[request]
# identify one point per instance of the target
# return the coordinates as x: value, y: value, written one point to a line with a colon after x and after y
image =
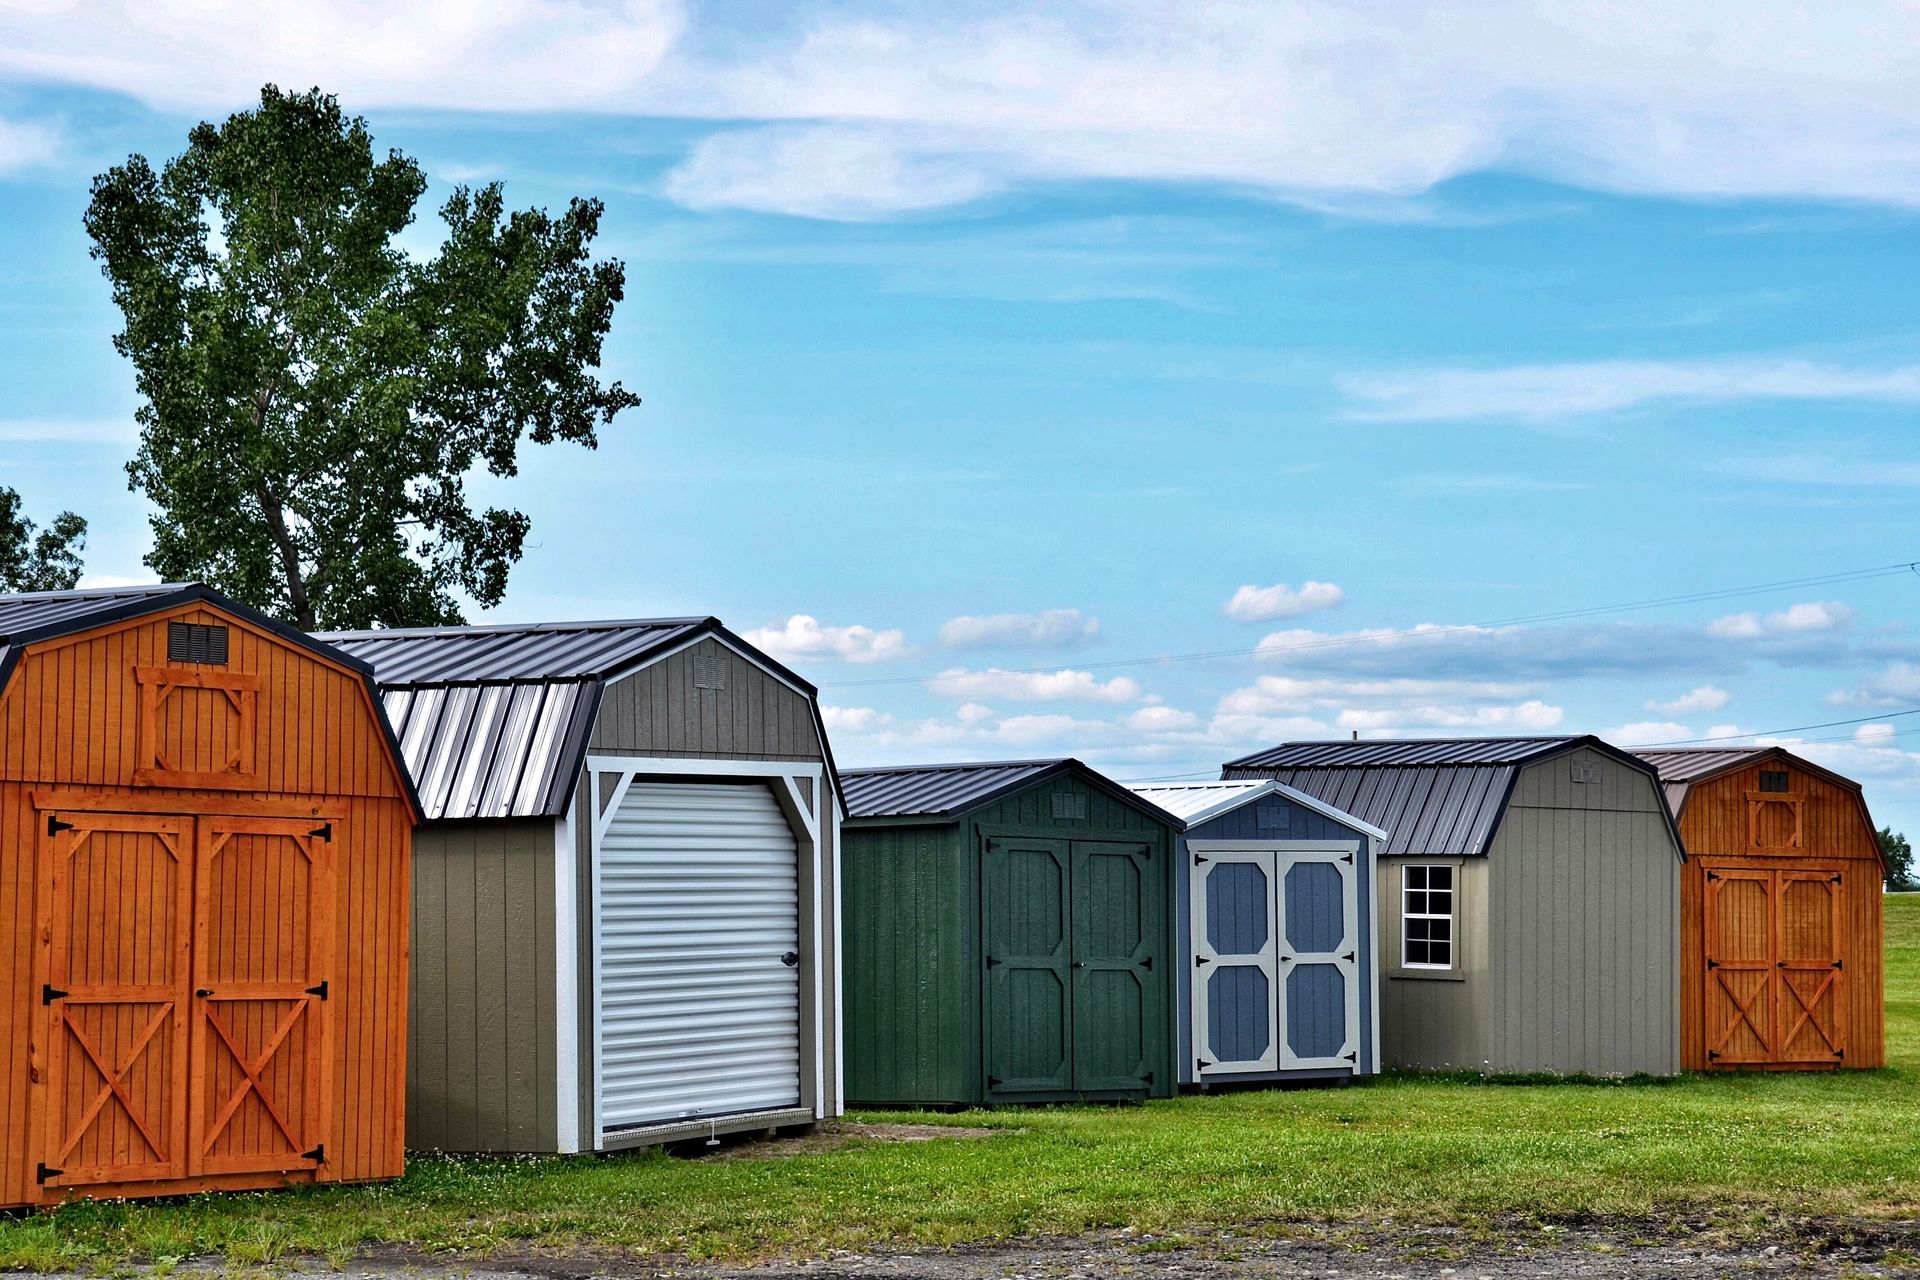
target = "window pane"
x: 1440, y: 878
x: 1440, y: 902
x: 1416, y: 902
x: 1416, y: 877
x: 1417, y: 953
x: 1440, y: 930
x: 1439, y: 953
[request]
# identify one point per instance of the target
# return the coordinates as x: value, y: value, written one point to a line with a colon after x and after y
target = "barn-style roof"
x: 1438, y: 796
x: 947, y: 792
x: 1681, y: 767
x: 29, y: 617
x: 493, y: 721
x: 1197, y: 802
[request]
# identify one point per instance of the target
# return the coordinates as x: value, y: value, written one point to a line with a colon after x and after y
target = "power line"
x: 1631, y: 606
x: 1774, y: 733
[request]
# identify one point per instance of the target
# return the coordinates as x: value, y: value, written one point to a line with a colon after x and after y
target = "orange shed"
x: 205, y: 841
x: 1780, y: 930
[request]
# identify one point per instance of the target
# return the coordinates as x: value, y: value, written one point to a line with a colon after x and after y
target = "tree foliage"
x: 47, y: 560
x: 1899, y: 856
x: 316, y: 398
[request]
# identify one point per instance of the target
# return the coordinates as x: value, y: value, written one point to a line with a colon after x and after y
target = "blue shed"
x: 1276, y: 908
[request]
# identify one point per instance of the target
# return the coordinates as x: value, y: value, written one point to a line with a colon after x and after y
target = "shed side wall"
x: 1431, y: 1021
x: 912, y: 950
x: 1584, y: 917
x: 482, y: 1033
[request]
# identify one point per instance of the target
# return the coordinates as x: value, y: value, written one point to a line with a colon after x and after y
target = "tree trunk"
x: 276, y: 517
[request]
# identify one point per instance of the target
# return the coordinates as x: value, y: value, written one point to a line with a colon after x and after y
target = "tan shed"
x: 1780, y: 934
x: 205, y: 835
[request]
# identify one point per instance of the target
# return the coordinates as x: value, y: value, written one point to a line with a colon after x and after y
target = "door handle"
x: 1079, y: 964
x: 791, y: 959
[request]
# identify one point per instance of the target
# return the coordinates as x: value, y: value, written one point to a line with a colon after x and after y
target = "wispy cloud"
x: 1706, y: 697
x: 26, y: 144
x: 1034, y: 686
x: 1050, y: 629
x: 803, y: 636
x: 1281, y: 600
x: 1549, y: 393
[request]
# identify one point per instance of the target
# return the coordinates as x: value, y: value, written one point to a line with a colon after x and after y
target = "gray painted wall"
x: 480, y: 1037
x: 1274, y: 818
x: 1430, y: 1020
x: 1584, y: 904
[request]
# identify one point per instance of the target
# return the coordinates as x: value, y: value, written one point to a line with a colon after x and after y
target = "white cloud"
x: 802, y: 636
x: 27, y: 144
x: 1531, y: 716
x: 510, y: 55
x: 974, y: 712
x: 1543, y: 393
x: 1263, y: 604
x: 854, y: 719
x: 1798, y: 619
x: 1704, y: 698
x: 1034, y: 686
x: 837, y: 113
x: 1644, y: 732
x: 1052, y: 629
x: 1161, y: 720
x: 1897, y: 685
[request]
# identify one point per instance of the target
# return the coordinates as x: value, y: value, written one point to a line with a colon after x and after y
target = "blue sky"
x: 1006, y: 351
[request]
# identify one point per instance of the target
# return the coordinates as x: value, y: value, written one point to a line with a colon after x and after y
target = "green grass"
x: 1415, y: 1149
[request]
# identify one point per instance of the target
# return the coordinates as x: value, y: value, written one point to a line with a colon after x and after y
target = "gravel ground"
x: 1631, y: 1249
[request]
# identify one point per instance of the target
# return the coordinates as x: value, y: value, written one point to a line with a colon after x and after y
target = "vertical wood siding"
x: 660, y: 711
x: 69, y: 720
x: 1431, y: 1021
x: 484, y: 987
x: 1584, y: 924
x: 1836, y: 836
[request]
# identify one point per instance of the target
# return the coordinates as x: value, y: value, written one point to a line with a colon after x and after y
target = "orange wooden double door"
x: 183, y: 995
x: 1775, y: 979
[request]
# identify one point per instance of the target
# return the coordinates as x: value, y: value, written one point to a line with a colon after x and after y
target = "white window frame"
x: 1451, y: 916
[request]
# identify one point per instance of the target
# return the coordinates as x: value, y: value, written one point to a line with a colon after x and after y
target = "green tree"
x: 1899, y: 856
x: 45, y: 561
x: 316, y: 397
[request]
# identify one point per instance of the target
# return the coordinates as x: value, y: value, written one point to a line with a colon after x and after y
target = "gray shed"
x: 1276, y: 910
x: 625, y: 914
x: 1531, y: 898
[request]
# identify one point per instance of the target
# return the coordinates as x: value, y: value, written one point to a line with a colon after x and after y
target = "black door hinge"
x: 1200, y: 960
x: 41, y: 1173
x: 1836, y: 880
x: 1347, y: 858
x: 1148, y: 1080
x: 1147, y: 963
x: 1199, y: 861
x: 323, y: 832
x: 992, y: 963
x: 1713, y: 964
x: 1839, y: 964
x: 320, y: 990
x: 49, y: 993
x: 993, y: 1082
x: 1353, y: 1057
x: 318, y: 1155
x: 1713, y: 1053
x: 55, y: 826
x: 1348, y: 957
x: 1201, y: 1064
x: 1712, y: 875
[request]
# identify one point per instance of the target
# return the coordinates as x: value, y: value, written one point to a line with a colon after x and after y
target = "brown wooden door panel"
x: 1774, y: 985
x: 263, y: 927
x: 1812, y: 992
x: 1739, y: 998
x: 114, y: 901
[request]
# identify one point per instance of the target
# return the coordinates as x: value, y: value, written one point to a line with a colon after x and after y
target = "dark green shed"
x: 1008, y: 936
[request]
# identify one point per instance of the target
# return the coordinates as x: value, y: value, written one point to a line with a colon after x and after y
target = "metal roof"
x: 1198, y: 802
x: 37, y: 614
x: 944, y: 792
x: 1440, y: 796
x: 493, y: 721
x: 536, y: 651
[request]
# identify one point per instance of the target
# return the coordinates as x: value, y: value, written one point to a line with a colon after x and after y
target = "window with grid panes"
x: 1426, y: 916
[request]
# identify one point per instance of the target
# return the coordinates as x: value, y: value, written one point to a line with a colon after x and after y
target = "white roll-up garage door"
x: 699, y: 934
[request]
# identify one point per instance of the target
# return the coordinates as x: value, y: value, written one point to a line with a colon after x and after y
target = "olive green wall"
x: 480, y: 1038
x: 1433, y: 1020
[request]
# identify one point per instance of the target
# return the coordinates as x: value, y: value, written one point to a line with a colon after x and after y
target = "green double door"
x: 1075, y: 1000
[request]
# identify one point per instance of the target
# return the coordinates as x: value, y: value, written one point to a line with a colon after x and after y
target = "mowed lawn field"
x: 1411, y: 1149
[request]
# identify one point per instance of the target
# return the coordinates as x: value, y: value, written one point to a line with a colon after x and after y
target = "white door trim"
x: 1207, y: 960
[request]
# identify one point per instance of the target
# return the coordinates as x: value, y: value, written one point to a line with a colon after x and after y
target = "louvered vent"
x: 1584, y: 771
x: 709, y: 671
x: 197, y: 642
x: 1773, y: 779
x: 1070, y: 805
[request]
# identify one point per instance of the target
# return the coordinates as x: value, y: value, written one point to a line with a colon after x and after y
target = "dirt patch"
x: 1626, y: 1249
x: 828, y: 1137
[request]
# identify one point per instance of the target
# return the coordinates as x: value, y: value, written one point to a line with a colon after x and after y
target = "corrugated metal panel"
x: 1188, y: 800
x: 1384, y: 752
x: 699, y: 901
x: 1691, y: 764
x: 34, y: 610
x: 547, y: 651
x: 935, y: 790
x: 485, y: 751
x: 1442, y: 810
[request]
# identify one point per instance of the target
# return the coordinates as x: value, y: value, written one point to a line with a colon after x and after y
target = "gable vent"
x: 1583, y: 771
x: 1773, y: 779
x: 197, y: 642
x: 709, y: 671
x: 1069, y: 805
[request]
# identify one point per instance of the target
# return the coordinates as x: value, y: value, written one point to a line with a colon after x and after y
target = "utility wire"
x: 1325, y: 642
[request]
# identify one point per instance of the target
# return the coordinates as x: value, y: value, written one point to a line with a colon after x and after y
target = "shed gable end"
x: 706, y: 701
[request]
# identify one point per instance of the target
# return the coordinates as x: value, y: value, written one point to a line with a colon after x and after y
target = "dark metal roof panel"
x: 546, y: 651
x: 1690, y: 764
x: 1403, y: 752
x: 936, y: 791
x: 488, y: 751
x: 46, y: 611
x: 1448, y: 811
